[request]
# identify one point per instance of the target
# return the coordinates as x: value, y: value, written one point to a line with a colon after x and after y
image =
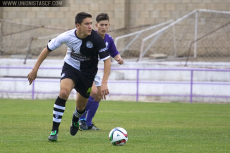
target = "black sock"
x: 58, y: 111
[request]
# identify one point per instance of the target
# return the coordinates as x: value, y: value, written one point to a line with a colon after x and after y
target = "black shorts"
x: 83, y: 81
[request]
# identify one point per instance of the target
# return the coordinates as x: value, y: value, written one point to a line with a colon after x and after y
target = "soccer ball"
x: 118, y: 136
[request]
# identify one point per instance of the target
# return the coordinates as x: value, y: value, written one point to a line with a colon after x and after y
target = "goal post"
x: 160, y: 32
x: 137, y: 33
x: 128, y: 45
x: 201, y: 35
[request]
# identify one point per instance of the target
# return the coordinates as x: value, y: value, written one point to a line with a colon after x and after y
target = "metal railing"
x: 191, y: 83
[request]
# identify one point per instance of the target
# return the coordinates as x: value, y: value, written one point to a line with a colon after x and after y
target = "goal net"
x: 129, y: 44
x: 19, y: 40
x: 200, y: 36
x: 27, y: 41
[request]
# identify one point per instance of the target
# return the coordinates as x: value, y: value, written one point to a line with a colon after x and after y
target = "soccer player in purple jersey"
x: 84, y: 45
x: 95, y: 95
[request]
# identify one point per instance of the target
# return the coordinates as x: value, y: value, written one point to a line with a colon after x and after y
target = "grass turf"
x: 152, y: 127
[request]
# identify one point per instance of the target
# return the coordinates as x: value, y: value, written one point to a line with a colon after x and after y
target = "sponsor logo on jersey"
x: 103, y: 49
x: 62, y: 75
x: 106, y: 44
x: 89, y: 44
x: 78, y: 56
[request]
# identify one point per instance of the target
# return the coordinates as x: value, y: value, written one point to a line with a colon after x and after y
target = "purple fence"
x: 191, y: 83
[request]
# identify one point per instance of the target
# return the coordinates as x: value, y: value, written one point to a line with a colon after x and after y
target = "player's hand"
x: 120, y: 61
x: 104, y: 90
x: 32, y: 76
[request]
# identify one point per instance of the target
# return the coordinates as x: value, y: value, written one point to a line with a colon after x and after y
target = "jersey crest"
x: 89, y: 44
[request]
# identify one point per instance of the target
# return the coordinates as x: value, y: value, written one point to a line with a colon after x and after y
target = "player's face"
x: 85, y: 27
x: 102, y: 27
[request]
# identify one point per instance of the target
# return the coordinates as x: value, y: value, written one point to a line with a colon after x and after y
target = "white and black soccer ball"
x: 118, y: 136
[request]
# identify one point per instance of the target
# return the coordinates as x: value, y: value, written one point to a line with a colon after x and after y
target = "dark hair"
x: 102, y: 16
x: 81, y: 16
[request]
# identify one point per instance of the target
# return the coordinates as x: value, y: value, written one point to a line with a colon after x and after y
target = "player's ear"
x: 96, y: 24
x: 77, y: 25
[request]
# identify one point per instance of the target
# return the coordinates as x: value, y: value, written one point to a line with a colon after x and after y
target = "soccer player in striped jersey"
x: 95, y: 95
x: 84, y: 45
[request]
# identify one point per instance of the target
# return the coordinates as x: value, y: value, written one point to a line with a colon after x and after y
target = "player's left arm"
x: 104, y: 86
x: 119, y: 59
x: 104, y: 56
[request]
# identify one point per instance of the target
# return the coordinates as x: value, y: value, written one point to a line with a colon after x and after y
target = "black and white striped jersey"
x: 82, y: 54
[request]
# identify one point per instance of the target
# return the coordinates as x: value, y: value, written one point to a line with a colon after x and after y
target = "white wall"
x: 118, y: 82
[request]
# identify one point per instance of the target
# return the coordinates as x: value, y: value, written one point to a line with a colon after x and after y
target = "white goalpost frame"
x: 213, y: 11
x: 174, y: 40
x: 158, y: 36
x: 159, y: 31
x: 195, y: 37
x: 172, y: 24
x: 138, y: 33
x: 130, y: 43
x: 196, y: 24
x: 151, y: 43
x: 0, y: 28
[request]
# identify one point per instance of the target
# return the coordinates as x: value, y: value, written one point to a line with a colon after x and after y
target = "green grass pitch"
x: 152, y: 127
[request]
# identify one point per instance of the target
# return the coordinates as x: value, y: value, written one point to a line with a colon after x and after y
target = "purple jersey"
x: 110, y: 46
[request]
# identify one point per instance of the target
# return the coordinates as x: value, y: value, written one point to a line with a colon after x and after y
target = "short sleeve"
x: 56, y: 42
x: 112, y: 48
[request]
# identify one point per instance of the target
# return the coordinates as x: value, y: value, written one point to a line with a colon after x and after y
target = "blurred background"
x: 123, y: 13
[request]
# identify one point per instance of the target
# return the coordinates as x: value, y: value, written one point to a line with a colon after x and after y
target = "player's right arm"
x: 33, y: 74
x: 52, y: 45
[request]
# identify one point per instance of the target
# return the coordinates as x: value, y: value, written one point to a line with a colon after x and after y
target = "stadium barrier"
x: 137, y: 83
